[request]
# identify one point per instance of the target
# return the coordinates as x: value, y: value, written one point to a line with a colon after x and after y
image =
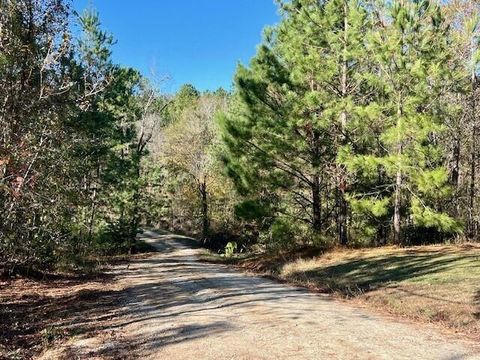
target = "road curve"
x: 179, y: 308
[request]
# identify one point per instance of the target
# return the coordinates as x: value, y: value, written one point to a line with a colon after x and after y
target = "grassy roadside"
x: 436, y: 284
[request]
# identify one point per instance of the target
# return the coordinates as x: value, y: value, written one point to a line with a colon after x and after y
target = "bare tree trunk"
x: 205, y: 218
x: 455, y: 171
x: 135, y: 220
x: 396, y: 209
x: 316, y: 204
x: 315, y: 183
x: 342, y: 215
x: 342, y: 203
x: 473, y: 160
x: 93, y: 209
x: 398, y: 187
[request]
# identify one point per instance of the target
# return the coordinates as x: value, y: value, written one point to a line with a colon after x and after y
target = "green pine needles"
x: 337, y: 122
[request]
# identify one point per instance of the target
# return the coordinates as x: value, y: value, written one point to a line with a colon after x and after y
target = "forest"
x: 343, y: 160
x: 355, y: 124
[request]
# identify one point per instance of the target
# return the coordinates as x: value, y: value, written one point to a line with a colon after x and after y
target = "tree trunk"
x: 342, y: 215
x: 92, y: 215
x: 473, y: 161
x: 316, y: 204
x: 93, y: 208
x: 205, y: 218
x: 398, y: 186
x: 382, y: 229
x: 342, y: 203
x: 135, y: 220
x: 455, y: 170
x: 315, y: 183
x: 396, y: 209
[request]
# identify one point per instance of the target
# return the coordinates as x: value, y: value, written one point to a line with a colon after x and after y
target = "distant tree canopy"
x: 195, y: 191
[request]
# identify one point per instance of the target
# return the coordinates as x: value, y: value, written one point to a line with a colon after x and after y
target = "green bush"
x: 230, y: 248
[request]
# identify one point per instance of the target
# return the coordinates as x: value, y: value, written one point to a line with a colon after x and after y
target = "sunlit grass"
x: 431, y: 283
x: 369, y: 269
x: 439, y: 284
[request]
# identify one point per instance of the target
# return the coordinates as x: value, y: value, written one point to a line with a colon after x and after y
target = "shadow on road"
x: 164, y: 288
x: 164, y: 241
x: 171, y: 298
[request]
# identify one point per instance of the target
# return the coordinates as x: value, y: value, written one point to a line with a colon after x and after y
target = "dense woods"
x: 345, y: 126
x: 355, y: 123
x: 73, y: 137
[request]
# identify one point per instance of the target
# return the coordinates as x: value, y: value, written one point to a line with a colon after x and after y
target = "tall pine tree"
x: 294, y: 104
x: 411, y: 58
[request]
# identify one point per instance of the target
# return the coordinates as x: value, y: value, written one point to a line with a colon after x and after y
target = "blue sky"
x: 192, y: 41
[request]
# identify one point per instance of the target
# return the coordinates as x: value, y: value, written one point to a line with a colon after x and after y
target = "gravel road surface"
x: 176, y: 307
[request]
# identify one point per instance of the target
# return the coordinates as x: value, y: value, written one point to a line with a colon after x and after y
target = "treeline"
x: 356, y: 123
x: 74, y: 128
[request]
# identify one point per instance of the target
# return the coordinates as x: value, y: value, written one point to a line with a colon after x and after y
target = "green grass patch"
x: 390, y: 267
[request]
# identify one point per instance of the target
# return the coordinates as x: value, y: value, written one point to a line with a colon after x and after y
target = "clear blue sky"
x: 192, y: 41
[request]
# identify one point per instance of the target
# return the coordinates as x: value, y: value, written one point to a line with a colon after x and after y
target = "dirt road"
x: 178, y: 308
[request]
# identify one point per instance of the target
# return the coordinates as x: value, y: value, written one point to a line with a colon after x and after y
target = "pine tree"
x: 411, y: 56
x: 294, y: 108
x: 332, y: 61
x: 460, y: 140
